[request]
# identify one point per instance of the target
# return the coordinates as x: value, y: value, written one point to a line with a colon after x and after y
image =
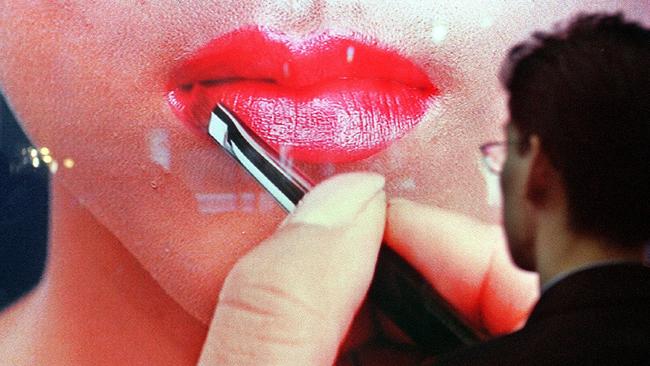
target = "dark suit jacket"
x: 597, y: 316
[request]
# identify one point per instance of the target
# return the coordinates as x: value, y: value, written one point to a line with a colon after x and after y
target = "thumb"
x: 291, y: 299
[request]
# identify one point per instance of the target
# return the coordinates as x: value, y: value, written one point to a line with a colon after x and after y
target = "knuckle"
x: 265, y: 321
x: 279, y: 314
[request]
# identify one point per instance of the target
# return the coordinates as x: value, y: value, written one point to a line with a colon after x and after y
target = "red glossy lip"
x: 324, y: 98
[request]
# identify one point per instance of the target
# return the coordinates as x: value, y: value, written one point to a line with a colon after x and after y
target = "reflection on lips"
x: 325, y: 98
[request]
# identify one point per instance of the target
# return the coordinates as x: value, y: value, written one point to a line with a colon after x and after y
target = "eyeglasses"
x: 494, y: 155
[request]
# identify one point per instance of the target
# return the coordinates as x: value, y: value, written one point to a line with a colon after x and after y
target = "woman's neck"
x: 95, y: 303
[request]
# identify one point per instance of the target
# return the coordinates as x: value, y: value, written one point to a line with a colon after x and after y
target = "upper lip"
x: 256, y: 54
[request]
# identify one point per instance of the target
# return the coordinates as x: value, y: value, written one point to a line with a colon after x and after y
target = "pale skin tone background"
x: 129, y: 242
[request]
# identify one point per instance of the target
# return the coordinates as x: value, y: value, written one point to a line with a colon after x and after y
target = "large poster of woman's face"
x: 120, y: 94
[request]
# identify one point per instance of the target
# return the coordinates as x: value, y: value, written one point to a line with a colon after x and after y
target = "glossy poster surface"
x: 119, y: 94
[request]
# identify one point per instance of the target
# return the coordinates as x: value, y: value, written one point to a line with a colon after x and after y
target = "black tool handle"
x: 416, y: 307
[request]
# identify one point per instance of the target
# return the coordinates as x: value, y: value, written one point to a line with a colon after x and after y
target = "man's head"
x: 580, y: 109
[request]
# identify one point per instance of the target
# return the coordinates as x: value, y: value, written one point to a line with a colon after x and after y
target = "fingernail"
x: 338, y: 200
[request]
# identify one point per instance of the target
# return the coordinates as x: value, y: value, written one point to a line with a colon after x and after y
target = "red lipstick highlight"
x: 325, y: 98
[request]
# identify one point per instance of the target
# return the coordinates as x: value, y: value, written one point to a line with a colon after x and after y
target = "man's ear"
x: 543, y: 178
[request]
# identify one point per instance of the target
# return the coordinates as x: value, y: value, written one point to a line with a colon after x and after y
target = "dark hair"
x: 585, y: 91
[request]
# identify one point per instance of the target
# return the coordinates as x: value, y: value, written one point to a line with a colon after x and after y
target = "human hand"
x: 290, y: 301
x: 293, y: 298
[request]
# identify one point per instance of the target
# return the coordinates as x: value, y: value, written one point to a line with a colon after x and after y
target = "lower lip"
x: 338, y: 121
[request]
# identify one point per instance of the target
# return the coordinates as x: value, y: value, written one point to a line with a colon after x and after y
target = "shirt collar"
x: 562, y: 275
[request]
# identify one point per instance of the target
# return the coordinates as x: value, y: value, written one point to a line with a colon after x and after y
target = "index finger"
x: 466, y: 261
